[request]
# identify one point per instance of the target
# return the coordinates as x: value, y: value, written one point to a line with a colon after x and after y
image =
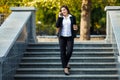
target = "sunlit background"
x: 47, y: 12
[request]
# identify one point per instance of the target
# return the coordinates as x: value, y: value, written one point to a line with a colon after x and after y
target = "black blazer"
x: 59, y: 25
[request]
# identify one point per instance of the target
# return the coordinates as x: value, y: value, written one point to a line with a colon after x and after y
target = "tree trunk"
x: 85, y: 20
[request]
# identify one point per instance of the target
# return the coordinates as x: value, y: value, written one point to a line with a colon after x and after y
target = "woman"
x: 66, y: 29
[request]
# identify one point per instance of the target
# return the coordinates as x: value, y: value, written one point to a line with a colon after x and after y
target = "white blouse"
x: 66, y: 30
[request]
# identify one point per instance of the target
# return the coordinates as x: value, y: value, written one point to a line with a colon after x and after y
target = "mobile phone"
x: 61, y: 14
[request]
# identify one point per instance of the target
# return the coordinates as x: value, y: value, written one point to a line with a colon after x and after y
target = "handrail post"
x: 108, y: 28
x: 32, y: 25
x: 113, y: 34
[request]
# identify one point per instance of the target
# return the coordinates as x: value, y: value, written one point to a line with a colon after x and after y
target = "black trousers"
x: 66, y: 49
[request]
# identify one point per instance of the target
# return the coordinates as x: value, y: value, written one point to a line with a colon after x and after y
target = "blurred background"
x: 47, y: 13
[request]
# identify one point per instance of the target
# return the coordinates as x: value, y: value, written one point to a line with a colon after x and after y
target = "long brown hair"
x: 64, y: 6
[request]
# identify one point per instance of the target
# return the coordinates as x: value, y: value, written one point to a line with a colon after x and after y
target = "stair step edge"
x: 79, y: 69
x: 45, y: 75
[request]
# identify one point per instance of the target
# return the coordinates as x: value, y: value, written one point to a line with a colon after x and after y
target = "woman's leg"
x: 70, y: 43
x: 63, y: 44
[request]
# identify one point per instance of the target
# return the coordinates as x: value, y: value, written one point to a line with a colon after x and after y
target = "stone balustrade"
x: 15, y: 33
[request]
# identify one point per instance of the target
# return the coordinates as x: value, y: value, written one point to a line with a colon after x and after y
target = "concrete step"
x: 75, y: 54
x: 90, y: 61
x: 84, y: 49
x: 73, y: 64
x: 64, y: 77
x: 73, y: 59
x: 72, y: 71
x: 90, y: 44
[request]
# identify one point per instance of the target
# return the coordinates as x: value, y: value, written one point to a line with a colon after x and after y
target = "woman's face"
x: 64, y: 11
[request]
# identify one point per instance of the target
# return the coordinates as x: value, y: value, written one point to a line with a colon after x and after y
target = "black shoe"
x: 66, y: 73
x: 69, y: 67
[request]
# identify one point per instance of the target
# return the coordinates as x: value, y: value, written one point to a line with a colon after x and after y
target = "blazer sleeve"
x: 74, y: 20
x: 59, y: 22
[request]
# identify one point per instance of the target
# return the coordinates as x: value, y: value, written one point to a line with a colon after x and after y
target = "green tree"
x: 47, y: 12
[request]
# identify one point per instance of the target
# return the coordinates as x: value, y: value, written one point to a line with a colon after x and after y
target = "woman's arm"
x: 59, y: 22
x: 57, y: 30
x: 75, y: 27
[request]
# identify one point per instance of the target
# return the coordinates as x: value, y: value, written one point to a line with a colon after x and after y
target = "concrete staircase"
x: 90, y: 61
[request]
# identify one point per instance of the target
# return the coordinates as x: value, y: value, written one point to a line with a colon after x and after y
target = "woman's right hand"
x: 60, y: 14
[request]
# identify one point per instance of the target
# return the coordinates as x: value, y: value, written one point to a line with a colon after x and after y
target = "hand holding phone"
x: 60, y: 13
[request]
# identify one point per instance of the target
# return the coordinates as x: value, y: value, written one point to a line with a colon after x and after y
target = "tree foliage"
x: 47, y: 12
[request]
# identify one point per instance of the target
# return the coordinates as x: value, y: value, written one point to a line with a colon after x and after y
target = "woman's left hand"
x: 75, y: 27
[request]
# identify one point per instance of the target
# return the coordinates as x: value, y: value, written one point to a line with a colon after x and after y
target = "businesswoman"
x: 66, y: 31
